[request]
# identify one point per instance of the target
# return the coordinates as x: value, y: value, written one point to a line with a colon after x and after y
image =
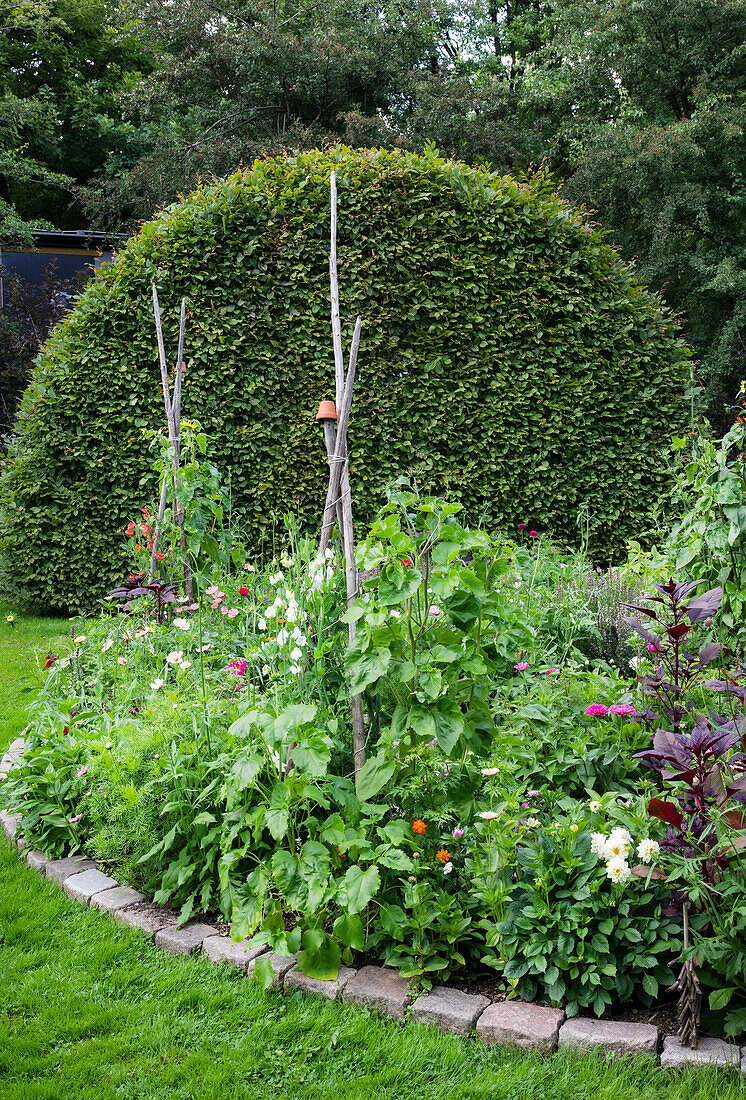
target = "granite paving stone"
x: 84, y: 885
x: 35, y: 859
x: 10, y: 825
x: 531, y: 1026
x: 709, y: 1052
x: 221, y: 949
x: 61, y: 869
x: 449, y: 1009
x: 185, y: 940
x: 280, y: 966
x: 146, y: 918
x: 379, y: 988
x: 617, y: 1037
x: 296, y: 979
x: 119, y: 897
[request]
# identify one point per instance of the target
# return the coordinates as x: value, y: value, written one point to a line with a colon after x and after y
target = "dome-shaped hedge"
x: 508, y: 356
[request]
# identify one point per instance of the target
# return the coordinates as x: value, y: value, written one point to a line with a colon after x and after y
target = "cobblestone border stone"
x: 380, y: 989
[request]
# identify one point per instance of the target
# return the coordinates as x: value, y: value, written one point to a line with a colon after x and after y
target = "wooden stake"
x: 173, y: 418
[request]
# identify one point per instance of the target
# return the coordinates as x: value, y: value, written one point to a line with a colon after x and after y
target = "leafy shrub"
x: 493, y: 316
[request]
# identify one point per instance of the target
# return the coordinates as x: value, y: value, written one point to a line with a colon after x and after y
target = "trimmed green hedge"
x: 508, y: 356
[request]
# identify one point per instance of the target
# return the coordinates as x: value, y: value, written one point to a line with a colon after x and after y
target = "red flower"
x: 418, y: 826
x: 406, y: 561
x: 51, y: 658
x: 159, y: 556
x: 130, y: 529
x: 146, y: 528
x: 146, y: 513
x: 244, y: 591
x: 138, y: 546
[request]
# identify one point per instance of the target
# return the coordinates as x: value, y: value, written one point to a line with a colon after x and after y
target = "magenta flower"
x: 625, y: 709
x: 521, y: 666
x: 596, y: 710
x: 458, y: 832
x: 653, y: 648
x: 533, y: 534
x: 72, y: 820
x: 522, y: 526
x: 239, y: 667
x: 83, y: 770
x: 549, y: 671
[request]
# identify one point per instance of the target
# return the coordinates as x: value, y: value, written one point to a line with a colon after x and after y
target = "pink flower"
x: 521, y: 666
x: 653, y: 648
x: 434, y: 610
x: 532, y: 794
x: 223, y: 610
x: 522, y: 526
x: 533, y: 534
x: 549, y: 671
x: 215, y: 605
x: 72, y: 820
x: 212, y: 590
x: 238, y: 666
x: 232, y: 613
x: 596, y: 710
x: 458, y: 832
x: 83, y: 770
x: 193, y: 607
x: 622, y: 709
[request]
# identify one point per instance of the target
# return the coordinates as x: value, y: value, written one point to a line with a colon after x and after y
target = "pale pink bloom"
x: 521, y: 666
x: 232, y: 613
x: 223, y: 610
x: 83, y: 770
x: 72, y: 820
x: 625, y: 709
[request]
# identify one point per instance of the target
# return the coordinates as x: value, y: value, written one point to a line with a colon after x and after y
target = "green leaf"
x: 449, y: 724
x: 263, y: 974
x: 349, y: 930
x: 719, y: 998
x: 320, y: 955
x: 373, y: 776
x: 358, y: 887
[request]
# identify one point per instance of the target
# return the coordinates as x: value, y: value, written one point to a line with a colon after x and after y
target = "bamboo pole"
x: 338, y: 460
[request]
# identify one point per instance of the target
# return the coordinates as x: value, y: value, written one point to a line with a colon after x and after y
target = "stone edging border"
x: 381, y: 989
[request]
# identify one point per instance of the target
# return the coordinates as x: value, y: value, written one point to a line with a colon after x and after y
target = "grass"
x: 92, y: 1010
x: 24, y: 643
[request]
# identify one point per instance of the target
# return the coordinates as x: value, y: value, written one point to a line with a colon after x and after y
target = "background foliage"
x: 507, y: 354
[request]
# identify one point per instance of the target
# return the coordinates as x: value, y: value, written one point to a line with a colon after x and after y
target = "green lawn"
x: 92, y: 1011
x: 24, y: 643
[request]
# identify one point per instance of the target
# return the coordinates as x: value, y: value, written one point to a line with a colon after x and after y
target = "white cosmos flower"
x: 532, y: 823
x: 618, y: 870
x: 185, y: 665
x: 121, y: 660
x: 647, y: 850
x: 487, y: 815
x: 175, y: 656
x: 594, y: 806
x: 490, y: 771
x: 447, y: 868
x: 183, y: 624
x: 157, y: 684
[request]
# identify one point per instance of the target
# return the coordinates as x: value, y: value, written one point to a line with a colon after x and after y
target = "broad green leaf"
x: 373, y: 776
x: 358, y: 887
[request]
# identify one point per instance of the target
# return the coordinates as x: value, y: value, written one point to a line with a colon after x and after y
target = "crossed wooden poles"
x: 173, y: 418
x: 338, y: 495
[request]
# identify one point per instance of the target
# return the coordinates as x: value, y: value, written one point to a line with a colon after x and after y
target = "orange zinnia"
x: 418, y: 826
x: 443, y: 855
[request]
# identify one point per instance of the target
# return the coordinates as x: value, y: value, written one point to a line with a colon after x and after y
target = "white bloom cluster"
x: 615, y: 849
x: 176, y: 658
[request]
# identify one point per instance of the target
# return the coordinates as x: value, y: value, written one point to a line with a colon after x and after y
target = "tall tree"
x: 64, y: 63
x: 649, y: 98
